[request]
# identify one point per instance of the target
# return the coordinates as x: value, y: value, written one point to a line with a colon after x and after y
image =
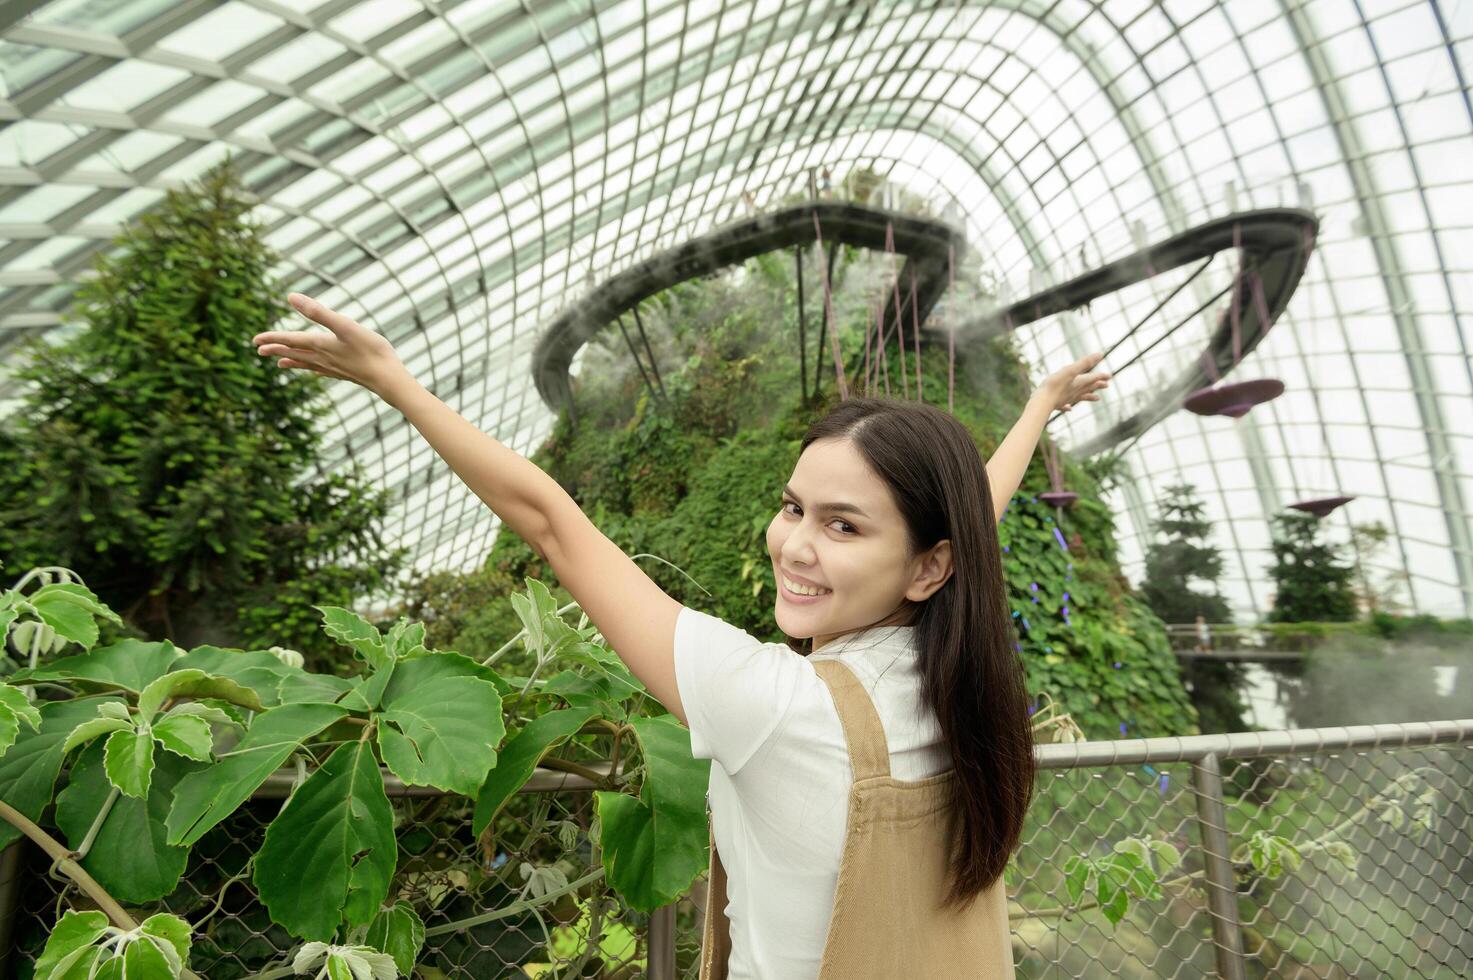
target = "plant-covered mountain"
x: 688, y: 467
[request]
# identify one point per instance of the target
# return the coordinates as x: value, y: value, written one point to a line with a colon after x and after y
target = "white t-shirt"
x: 780, y: 777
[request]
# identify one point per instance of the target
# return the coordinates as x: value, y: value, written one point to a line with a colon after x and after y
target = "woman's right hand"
x: 348, y: 350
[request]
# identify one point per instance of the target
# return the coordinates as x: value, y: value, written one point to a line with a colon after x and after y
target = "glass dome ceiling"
x: 456, y: 173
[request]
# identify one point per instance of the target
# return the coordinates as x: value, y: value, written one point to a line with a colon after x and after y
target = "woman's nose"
x: 798, y: 546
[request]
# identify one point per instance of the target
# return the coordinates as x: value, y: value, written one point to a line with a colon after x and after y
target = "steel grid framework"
x: 459, y: 172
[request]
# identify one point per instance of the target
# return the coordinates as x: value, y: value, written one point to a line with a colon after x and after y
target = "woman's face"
x: 858, y: 557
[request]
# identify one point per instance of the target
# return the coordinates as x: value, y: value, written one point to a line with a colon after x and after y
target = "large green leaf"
x: 655, y: 846
x: 143, y: 959
x: 28, y: 771
x: 70, y: 609
x: 614, y: 677
x: 259, y: 670
x: 69, y: 949
x: 440, y: 723
x: 399, y: 932
x: 519, y: 758
x: 349, y: 628
x: 88, y: 730
x: 129, y: 759
x: 130, y: 856
x: 194, y: 683
x: 128, y: 664
x: 204, y: 798
x: 299, y: 687
x: 370, y: 691
x: 167, y: 930
x: 185, y: 735
x: 405, y: 639
x: 597, y: 691
x: 534, y: 609
x: 14, y: 709
x: 331, y: 852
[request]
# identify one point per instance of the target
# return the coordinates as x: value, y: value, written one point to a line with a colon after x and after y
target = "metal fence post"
x: 1222, y: 892
x: 662, y: 943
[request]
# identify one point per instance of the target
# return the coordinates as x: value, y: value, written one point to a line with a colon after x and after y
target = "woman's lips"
x: 800, y: 600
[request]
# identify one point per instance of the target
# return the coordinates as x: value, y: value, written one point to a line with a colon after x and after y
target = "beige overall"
x: 887, y: 921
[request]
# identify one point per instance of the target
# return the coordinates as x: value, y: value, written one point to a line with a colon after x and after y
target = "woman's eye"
x: 848, y: 528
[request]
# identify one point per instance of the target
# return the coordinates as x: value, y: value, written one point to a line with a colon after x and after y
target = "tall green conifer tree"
x: 1312, y: 581
x: 1172, y: 565
x: 160, y: 457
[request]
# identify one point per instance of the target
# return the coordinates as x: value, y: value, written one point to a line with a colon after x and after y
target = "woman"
x: 867, y: 795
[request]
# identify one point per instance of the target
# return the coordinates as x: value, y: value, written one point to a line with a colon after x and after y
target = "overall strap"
x: 869, y: 753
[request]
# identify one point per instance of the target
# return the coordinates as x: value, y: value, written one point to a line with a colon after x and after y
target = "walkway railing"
x: 1261, y: 642
x: 1339, y: 852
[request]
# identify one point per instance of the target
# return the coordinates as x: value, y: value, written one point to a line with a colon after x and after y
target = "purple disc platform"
x: 1322, y: 506
x: 1059, y: 498
x: 1233, y: 399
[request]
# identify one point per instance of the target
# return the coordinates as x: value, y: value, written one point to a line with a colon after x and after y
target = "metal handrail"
x: 1244, y: 745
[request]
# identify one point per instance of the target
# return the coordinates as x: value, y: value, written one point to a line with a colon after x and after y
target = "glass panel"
x: 28, y: 142
x: 224, y: 98
x: 23, y: 65
x: 222, y: 32
x: 125, y: 86
x: 102, y: 16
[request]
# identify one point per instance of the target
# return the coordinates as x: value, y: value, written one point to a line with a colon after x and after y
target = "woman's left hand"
x: 1076, y: 383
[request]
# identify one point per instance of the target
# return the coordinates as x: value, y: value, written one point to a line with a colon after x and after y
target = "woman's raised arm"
x: 633, y: 613
x: 1060, y: 391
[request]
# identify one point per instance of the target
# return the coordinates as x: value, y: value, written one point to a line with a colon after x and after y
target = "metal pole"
x: 802, y: 327
x: 823, y: 330
x: 635, y: 354
x: 1222, y: 892
x: 662, y: 944
x: 654, y: 367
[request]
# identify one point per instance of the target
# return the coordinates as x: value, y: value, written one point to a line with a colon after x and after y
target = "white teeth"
x: 803, y: 589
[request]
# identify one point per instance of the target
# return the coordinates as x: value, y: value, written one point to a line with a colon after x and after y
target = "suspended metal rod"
x: 654, y: 367
x: 899, y: 315
x: 1212, y: 299
x: 828, y: 291
x: 635, y: 354
x: 802, y: 324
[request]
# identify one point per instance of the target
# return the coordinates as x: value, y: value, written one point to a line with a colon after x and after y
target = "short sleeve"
x: 735, y: 689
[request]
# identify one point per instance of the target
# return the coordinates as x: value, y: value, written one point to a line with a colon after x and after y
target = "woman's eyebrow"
x: 833, y: 508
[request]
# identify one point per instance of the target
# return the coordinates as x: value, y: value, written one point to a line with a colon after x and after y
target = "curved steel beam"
x: 926, y: 245
x: 1273, y: 242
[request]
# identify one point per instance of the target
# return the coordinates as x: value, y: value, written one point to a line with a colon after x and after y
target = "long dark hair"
x: 971, y: 675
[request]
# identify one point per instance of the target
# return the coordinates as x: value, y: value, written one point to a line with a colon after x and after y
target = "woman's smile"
x: 798, y: 598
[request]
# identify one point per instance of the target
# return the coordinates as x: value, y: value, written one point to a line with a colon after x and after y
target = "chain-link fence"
x: 1325, y: 853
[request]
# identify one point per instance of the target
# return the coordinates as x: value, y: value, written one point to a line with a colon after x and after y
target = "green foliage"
x: 1377, y: 592
x: 1185, y: 555
x: 166, y: 745
x: 652, y: 840
x: 695, y: 477
x: 159, y: 455
x: 84, y: 945
x: 1133, y: 870
x: 1311, y: 579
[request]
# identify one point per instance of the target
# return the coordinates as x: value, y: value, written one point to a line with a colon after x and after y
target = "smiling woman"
x: 899, y: 660
x: 899, y: 665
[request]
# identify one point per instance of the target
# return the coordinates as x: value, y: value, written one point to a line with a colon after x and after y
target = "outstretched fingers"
x: 288, y: 340
x: 318, y: 313
x: 306, y: 362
